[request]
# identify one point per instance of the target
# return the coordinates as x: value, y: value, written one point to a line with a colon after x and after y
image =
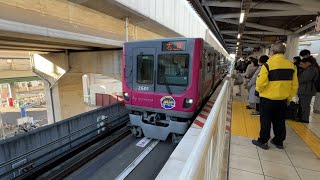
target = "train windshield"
x: 173, y: 69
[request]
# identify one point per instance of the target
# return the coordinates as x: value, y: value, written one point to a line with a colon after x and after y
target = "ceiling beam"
x: 248, y: 41
x: 245, y: 37
x: 251, y: 38
x: 36, y: 45
x: 257, y: 26
x: 208, y: 20
x: 307, y: 5
x: 29, y: 49
x: 243, y: 44
x: 255, y: 5
x: 255, y: 32
x: 265, y: 14
x: 305, y: 27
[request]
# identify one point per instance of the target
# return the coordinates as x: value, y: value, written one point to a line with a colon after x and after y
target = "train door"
x: 214, y: 59
x: 144, y: 76
x: 202, y: 74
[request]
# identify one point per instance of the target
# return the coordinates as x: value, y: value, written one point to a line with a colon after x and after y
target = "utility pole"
x: 2, y: 126
x: 127, y: 30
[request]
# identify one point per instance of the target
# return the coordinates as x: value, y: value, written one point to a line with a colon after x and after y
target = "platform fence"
x: 206, y: 158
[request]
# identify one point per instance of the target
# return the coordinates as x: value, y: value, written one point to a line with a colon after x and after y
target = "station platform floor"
x: 299, y: 160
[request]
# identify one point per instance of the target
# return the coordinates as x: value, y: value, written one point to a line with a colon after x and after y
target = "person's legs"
x: 305, y: 102
x: 239, y: 92
x: 256, y: 112
x: 266, y: 116
x: 278, y: 122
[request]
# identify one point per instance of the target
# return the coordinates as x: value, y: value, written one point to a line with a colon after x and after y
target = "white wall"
x: 177, y: 15
x: 314, y: 48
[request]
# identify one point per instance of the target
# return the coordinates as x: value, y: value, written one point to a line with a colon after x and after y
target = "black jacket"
x: 307, y: 81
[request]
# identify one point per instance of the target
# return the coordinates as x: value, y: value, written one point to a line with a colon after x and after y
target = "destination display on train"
x: 174, y: 46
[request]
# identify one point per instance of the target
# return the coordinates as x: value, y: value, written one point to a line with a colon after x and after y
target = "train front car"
x: 160, y: 85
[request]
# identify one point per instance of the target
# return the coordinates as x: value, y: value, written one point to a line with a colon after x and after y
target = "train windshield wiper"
x: 166, y: 83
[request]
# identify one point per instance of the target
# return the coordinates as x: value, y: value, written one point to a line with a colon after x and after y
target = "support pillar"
x: 292, y: 46
x: 316, y: 105
x: 71, y: 95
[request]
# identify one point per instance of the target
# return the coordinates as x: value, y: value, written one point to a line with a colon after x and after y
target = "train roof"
x: 206, y: 45
x: 163, y: 39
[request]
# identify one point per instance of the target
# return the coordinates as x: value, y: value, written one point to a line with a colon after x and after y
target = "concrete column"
x: 71, y: 95
x: 316, y: 105
x: 86, y: 89
x: 53, y: 103
x: 292, y: 46
x: 265, y: 51
x: 67, y: 96
x: 64, y: 73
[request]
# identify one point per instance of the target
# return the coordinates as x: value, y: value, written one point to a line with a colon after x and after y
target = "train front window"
x: 145, y: 69
x: 173, y: 69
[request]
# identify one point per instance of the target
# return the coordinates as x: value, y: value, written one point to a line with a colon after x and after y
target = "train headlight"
x: 126, y: 96
x: 187, y: 102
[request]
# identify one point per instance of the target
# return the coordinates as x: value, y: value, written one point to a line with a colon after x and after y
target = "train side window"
x: 145, y: 69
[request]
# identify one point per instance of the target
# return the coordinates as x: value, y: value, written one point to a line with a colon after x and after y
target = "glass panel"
x: 173, y: 69
x: 145, y: 69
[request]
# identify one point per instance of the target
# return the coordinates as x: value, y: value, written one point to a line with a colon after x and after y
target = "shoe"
x: 279, y: 146
x: 316, y: 111
x: 255, y: 113
x: 257, y: 143
x: 249, y: 107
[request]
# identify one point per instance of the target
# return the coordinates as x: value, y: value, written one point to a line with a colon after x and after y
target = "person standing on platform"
x: 276, y: 84
x: 296, y: 62
x: 307, y: 88
x: 251, y: 69
x: 253, y: 98
x: 307, y: 54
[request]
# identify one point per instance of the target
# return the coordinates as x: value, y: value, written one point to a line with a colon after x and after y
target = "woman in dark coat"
x: 296, y: 62
x: 307, y: 88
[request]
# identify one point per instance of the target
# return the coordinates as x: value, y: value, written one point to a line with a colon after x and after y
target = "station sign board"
x: 174, y: 46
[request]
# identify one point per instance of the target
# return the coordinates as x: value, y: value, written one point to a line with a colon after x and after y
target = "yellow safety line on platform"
x: 307, y: 136
x: 243, y: 124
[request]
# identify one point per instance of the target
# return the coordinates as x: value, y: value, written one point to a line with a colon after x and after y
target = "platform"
x: 298, y: 160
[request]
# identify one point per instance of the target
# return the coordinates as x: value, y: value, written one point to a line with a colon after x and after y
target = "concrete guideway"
x: 115, y: 162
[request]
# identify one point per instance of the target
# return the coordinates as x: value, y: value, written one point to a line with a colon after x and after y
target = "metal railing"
x: 48, y: 142
x: 206, y: 158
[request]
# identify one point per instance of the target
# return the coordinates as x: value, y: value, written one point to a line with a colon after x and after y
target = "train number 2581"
x: 143, y: 88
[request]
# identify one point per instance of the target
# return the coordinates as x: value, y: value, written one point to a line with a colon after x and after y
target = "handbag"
x: 238, y: 80
x: 256, y: 93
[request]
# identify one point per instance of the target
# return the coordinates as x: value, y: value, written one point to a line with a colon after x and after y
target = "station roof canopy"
x: 265, y: 21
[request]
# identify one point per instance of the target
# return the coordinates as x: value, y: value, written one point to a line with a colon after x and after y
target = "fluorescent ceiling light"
x: 238, y: 43
x: 239, y: 35
x: 241, y: 16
